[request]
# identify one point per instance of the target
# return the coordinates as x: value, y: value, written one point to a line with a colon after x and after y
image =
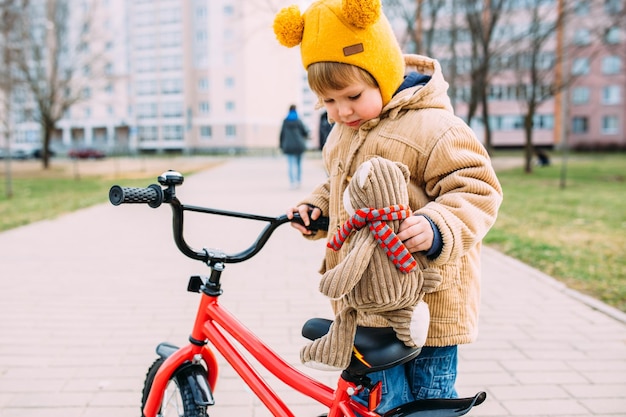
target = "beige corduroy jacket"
x: 452, y: 182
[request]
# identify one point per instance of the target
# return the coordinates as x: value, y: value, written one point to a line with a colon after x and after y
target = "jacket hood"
x: 434, y: 94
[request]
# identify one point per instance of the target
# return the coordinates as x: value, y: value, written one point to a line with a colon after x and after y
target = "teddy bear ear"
x: 289, y: 26
x: 364, y: 171
x: 405, y: 171
x: 361, y: 13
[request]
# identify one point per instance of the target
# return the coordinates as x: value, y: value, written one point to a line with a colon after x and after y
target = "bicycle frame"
x: 211, y: 315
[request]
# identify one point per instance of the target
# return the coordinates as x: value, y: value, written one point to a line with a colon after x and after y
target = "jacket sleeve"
x: 466, y: 193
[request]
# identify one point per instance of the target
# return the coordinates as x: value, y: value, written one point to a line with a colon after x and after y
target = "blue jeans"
x: 294, y: 166
x: 431, y: 375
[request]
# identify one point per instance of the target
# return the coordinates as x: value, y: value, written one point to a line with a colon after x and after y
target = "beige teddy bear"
x: 378, y: 276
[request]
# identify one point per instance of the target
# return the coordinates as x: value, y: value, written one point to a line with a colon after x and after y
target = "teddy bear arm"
x: 342, y: 278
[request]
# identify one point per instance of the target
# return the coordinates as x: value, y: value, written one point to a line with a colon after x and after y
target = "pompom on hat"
x: 352, y: 32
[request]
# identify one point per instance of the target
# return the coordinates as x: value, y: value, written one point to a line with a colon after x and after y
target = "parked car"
x: 86, y: 153
x: 38, y: 153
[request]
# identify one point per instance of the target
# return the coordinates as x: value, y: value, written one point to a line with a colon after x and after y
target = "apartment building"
x: 588, y: 113
x: 183, y: 76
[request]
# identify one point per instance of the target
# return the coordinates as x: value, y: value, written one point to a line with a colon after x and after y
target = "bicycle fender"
x: 441, y: 407
x: 165, y: 350
x: 195, y: 376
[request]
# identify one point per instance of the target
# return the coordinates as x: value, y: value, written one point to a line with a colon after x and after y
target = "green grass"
x: 45, y: 194
x: 46, y: 198
x: 576, y: 234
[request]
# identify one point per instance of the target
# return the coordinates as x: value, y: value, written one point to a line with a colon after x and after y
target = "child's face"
x: 353, y: 105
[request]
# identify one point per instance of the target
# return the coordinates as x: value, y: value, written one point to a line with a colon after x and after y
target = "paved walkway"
x: 86, y: 297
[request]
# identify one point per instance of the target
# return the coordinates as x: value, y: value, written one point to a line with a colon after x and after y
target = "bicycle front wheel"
x: 178, y: 400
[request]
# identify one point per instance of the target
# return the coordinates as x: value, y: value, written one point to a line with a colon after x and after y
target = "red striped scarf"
x: 375, y: 219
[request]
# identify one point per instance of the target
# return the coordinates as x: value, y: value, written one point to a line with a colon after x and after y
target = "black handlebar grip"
x: 320, y: 223
x: 151, y: 195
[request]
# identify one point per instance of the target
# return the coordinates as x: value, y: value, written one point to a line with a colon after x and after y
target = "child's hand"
x: 416, y: 233
x: 303, y: 210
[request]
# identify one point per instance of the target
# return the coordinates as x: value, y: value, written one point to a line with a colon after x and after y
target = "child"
x: 394, y: 106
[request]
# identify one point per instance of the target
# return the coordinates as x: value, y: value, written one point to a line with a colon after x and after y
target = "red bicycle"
x: 182, y: 381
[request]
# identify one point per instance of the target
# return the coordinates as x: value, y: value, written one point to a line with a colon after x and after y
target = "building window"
x: 145, y: 18
x: 202, y: 36
x: 580, y: 66
x: 510, y: 122
x: 612, y: 7
x: 582, y: 7
x: 611, y: 64
x: 144, y: 42
x: 170, y: 15
x: 146, y: 110
x: 205, y: 132
x: 145, y: 64
x: 230, y: 105
x: 609, y: 125
x: 231, y: 131
x: 229, y: 82
x: 147, y: 133
x: 203, y: 107
x: 171, y: 39
x: 173, y: 132
x: 171, y: 63
x: 172, y: 109
x: 201, y: 12
x: 580, y: 95
x: 612, y: 35
x: 611, y: 94
x: 172, y: 86
x: 203, y: 84
x: 543, y: 121
x: 582, y: 36
x: 146, y: 87
x: 579, y: 124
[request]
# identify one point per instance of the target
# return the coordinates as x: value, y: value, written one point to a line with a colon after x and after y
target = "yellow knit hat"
x: 352, y: 32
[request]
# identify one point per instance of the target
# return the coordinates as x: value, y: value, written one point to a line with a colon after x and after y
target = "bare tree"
x: 413, y: 14
x: 56, y: 60
x: 9, y: 9
x: 482, y: 21
x: 542, y: 58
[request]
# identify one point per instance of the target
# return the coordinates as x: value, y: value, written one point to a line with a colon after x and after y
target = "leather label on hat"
x: 353, y: 49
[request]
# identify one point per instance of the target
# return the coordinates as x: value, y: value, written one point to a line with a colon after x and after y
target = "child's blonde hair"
x: 325, y: 76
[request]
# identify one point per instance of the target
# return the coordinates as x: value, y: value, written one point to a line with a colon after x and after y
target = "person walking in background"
x: 396, y: 106
x: 324, y: 129
x: 293, y: 137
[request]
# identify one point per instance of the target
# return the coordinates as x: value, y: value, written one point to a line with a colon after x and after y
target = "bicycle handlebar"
x: 154, y: 196
x: 151, y: 195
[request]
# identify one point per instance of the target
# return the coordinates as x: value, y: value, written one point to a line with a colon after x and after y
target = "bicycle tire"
x: 178, y: 396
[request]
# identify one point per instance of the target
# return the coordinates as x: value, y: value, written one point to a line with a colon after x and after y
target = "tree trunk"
x: 486, y: 123
x: 529, y: 149
x: 45, y: 147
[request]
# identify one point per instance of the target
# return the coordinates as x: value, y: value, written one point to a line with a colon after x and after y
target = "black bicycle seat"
x: 379, y: 347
